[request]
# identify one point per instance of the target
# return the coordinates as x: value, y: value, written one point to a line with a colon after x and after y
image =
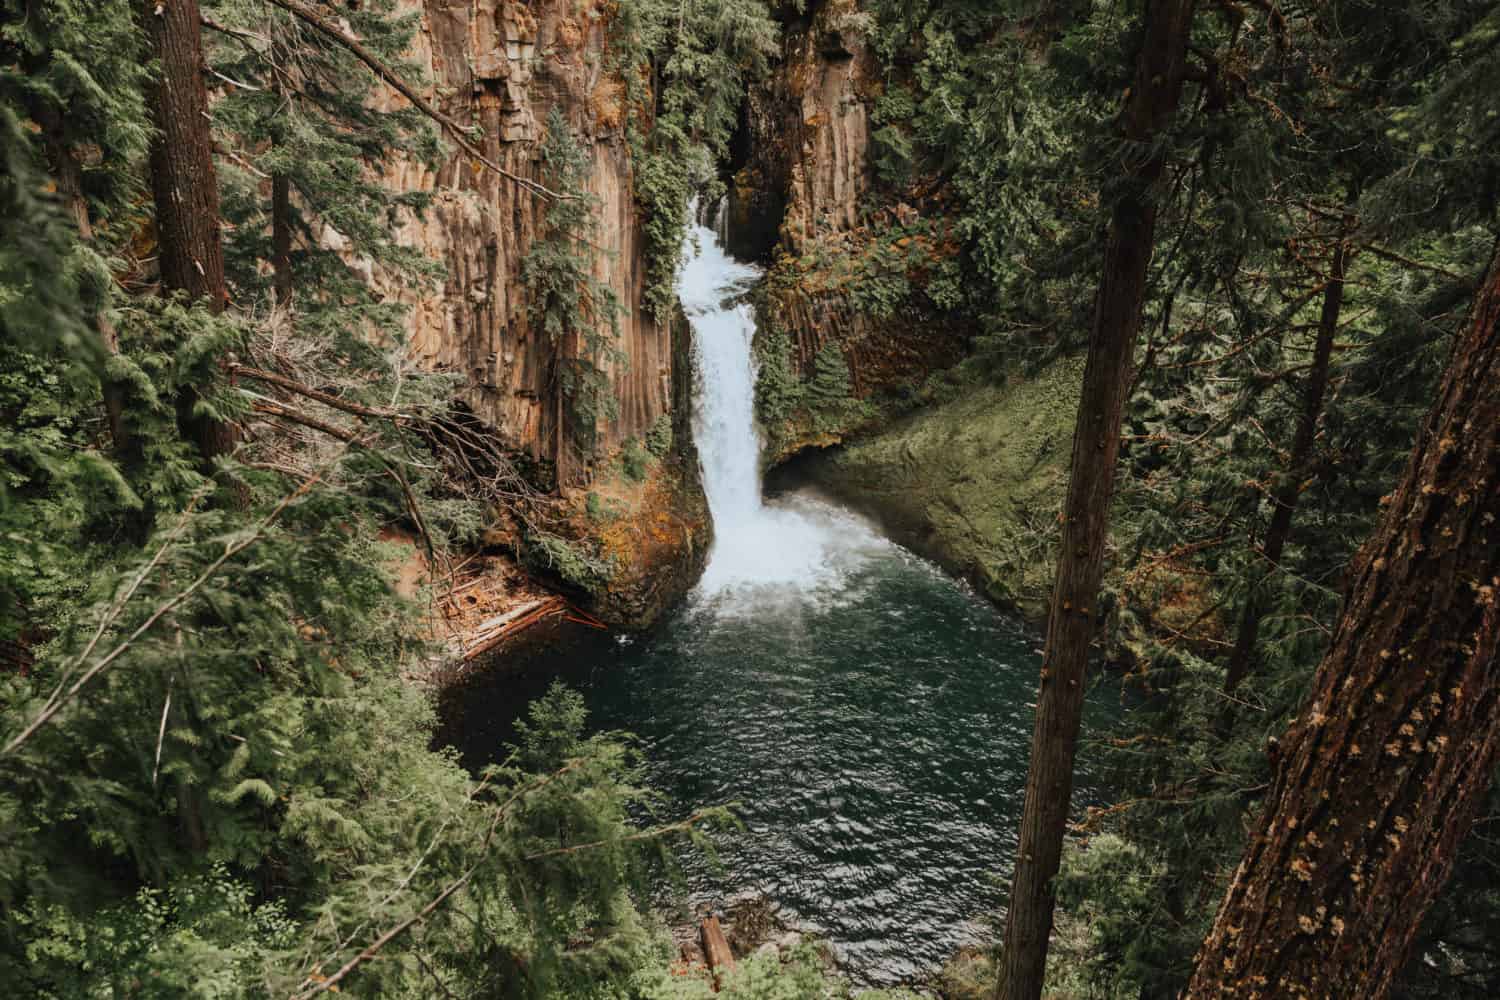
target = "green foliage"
x: 204, y: 936
x: 71, y: 107
x: 1110, y: 888
x: 703, y: 52
x: 824, y: 401
x: 306, y: 115
x: 829, y: 393
x: 1350, y: 122
x: 569, y: 561
x: 76, y: 71
x: 215, y: 780
x: 635, y: 461
x: 659, y: 437
x: 778, y: 387
x: 798, y: 976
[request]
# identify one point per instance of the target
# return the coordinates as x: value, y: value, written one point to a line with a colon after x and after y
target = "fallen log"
x: 490, y: 624
x: 516, y: 621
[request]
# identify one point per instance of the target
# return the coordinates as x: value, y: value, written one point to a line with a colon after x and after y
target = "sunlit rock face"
x: 503, y: 66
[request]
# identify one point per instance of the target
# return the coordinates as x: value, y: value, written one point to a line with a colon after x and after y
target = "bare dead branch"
x: 455, y: 131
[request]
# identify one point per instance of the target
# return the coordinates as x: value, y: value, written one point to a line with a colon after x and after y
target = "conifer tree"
x: 1386, y: 766
x: 1161, y: 69
x: 185, y: 189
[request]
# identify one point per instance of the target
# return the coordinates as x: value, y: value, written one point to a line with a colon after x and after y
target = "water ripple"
x: 878, y: 759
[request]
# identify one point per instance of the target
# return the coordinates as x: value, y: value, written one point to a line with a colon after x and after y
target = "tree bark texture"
x: 1284, y: 498
x: 183, y: 186
x: 1385, y: 769
x: 1152, y: 101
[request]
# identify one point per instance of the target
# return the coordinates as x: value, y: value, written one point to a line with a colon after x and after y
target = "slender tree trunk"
x: 1096, y: 443
x: 69, y: 174
x: 281, y: 238
x: 1289, y: 491
x: 281, y: 212
x: 184, y: 187
x: 1385, y: 769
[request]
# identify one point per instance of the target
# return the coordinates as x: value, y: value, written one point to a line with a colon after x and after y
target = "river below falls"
x: 868, y: 716
x: 873, y: 731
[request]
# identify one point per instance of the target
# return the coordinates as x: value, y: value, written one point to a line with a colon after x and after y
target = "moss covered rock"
x: 974, y: 484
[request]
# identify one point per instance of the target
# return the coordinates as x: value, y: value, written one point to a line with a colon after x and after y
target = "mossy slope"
x: 974, y: 483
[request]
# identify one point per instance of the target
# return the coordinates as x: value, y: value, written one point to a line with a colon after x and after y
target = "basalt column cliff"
x: 505, y: 67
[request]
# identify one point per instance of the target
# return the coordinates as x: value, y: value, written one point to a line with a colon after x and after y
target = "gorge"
x: 867, y: 715
x: 491, y: 490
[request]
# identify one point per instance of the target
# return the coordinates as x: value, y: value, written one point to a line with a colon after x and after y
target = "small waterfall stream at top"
x: 798, y: 544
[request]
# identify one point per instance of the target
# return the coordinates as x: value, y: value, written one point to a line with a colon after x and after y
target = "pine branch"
x: 313, y: 988
x: 58, y: 701
x: 455, y: 131
x: 1387, y: 254
x: 655, y: 833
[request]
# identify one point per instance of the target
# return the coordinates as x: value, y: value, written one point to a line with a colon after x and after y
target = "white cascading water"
x: 801, y: 543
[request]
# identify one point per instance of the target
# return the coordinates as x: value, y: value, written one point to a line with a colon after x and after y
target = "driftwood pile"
x: 493, y: 631
x: 492, y: 604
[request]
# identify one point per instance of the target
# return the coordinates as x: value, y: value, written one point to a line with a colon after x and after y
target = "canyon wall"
x: 503, y: 66
x: 804, y: 198
x: 804, y: 146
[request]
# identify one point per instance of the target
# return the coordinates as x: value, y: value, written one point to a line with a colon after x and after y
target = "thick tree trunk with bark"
x: 183, y: 185
x: 1152, y: 101
x: 1284, y: 498
x: 1383, y: 772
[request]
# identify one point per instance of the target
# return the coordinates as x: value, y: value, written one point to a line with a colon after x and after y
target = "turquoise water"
x: 872, y: 723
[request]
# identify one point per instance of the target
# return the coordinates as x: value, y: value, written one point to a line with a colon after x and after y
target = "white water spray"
x: 799, y: 543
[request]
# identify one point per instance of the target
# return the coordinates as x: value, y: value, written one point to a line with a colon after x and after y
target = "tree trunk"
x: 560, y: 425
x: 69, y: 174
x: 1385, y: 769
x: 1096, y: 443
x: 184, y: 188
x: 281, y: 207
x: 1284, y: 499
x: 281, y: 238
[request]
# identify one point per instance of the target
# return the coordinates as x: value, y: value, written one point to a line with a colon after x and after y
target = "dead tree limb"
x: 456, y: 131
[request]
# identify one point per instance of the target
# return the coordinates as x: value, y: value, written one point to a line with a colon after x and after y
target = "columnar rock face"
x: 805, y: 198
x: 806, y: 156
x: 503, y: 66
x: 827, y: 74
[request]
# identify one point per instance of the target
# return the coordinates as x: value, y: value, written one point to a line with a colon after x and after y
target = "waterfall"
x: 799, y: 544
